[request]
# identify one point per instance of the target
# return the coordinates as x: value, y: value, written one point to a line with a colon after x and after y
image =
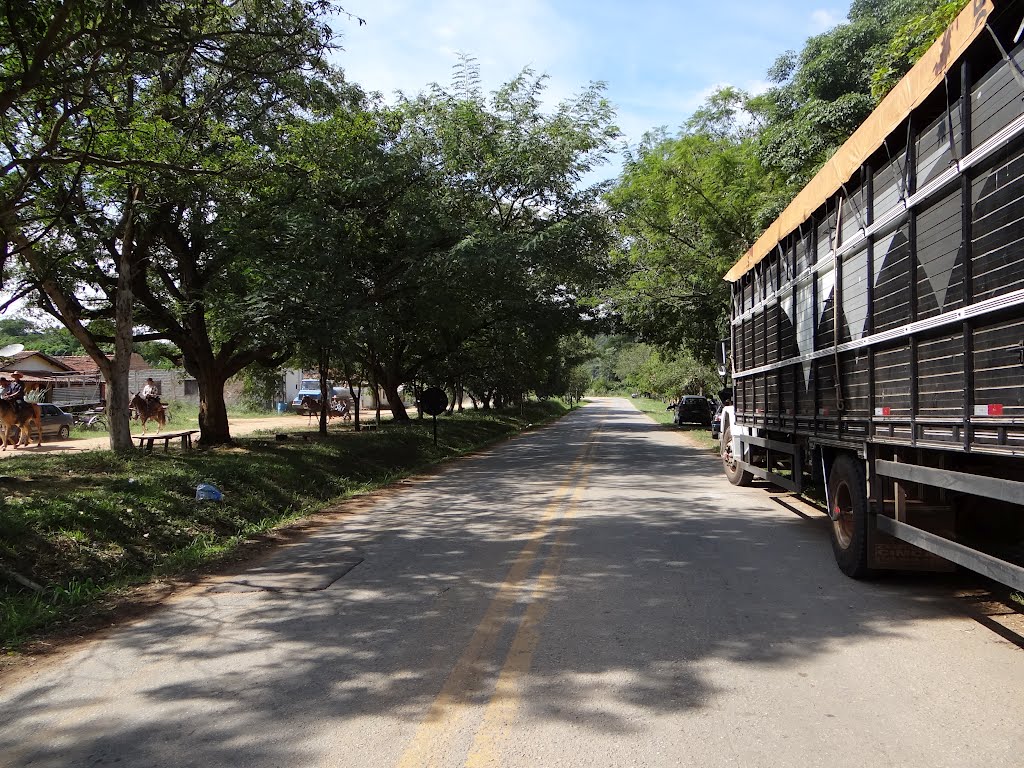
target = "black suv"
x: 692, y: 409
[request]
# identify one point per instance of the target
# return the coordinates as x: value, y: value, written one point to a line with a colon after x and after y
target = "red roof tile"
x: 85, y: 364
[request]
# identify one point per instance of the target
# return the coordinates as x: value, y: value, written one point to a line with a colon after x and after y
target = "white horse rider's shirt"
x: 150, y: 391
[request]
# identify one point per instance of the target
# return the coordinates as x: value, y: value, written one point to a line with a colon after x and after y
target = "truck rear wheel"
x: 847, y: 494
x: 736, y: 474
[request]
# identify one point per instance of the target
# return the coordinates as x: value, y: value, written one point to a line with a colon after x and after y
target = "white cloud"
x: 757, y: 87
x: 823, y: 20
x: 406, y: 45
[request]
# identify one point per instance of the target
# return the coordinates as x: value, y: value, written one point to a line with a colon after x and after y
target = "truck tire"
x: 848, y: 495
x: 736, y: 474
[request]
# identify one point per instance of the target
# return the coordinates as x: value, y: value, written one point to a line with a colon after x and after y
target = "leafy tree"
x: 674, y: 374
x: 187, y: 130
x: 823, y: 94
x: 912, y: 39
x: 510, y: 236
x: 62, y: 61
x: 685, y: 207
x: 49, y: 340
x: 577, y: 384
x: 261, y: 387
x: 629, y: 362
x: 688, y: 206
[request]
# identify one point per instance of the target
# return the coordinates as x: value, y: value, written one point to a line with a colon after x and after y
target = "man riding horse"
x: 14, y: 391
x: 147, y: 405
x: 150, y: 391
x: 18, y: 413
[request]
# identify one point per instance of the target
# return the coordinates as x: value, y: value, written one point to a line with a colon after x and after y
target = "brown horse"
x: 310, y: 405
x: 10, y: 418
x: 149, y: 410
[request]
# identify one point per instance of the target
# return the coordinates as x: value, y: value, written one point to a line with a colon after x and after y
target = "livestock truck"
x: 877, y: 326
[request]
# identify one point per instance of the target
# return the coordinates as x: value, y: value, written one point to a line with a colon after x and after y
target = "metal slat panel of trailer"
x: 911, y: 91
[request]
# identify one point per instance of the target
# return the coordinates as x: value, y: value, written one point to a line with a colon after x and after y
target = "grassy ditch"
x: 84, y: 526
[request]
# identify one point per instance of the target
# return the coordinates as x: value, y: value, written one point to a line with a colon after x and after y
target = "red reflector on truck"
x: 991, y: 409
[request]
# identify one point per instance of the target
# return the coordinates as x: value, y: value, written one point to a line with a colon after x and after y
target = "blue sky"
x: 659, y: 59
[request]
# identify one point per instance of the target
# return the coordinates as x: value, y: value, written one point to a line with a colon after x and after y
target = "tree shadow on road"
x: 666, y: 573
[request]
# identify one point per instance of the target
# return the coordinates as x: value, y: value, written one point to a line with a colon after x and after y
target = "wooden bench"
x: 146, y: 441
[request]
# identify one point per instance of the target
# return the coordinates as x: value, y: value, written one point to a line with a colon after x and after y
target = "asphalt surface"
x: 591, y: 594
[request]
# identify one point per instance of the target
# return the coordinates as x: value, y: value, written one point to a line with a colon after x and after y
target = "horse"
x: 149, y: 410
x: 10, y: 418
x: 310, y: 405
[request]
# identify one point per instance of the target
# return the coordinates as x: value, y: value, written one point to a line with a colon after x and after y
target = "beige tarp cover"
x: 909, y: 93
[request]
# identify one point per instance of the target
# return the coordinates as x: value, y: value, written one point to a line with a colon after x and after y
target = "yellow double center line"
x: 432, y: 740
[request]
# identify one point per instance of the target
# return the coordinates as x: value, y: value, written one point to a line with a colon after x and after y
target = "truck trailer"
x: 877, y: 326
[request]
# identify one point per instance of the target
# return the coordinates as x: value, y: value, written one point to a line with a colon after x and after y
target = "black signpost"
x: 433, y: 401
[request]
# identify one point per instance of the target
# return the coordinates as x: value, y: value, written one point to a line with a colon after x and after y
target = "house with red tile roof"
x: 63, y: 383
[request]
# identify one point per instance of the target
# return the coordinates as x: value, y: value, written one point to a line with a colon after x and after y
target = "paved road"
x: 593, y: 594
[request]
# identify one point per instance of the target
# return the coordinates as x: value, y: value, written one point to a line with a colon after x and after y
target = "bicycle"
x: 94, y: 421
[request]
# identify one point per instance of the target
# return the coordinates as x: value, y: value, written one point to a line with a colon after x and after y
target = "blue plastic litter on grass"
x: 207, y: 492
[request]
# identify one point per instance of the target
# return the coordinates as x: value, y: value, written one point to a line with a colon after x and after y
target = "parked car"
x: 55, y: 422
x: 716, y: 422
x: 692, y: 409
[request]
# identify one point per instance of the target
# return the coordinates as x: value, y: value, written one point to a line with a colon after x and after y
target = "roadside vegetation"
x: 83, y: 527
x: 184, y: 175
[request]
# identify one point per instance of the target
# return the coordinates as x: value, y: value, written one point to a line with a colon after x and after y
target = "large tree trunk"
x: 65, y: 306
x: 118, y: 414
x: 213, y: 413
x: 390, y: 386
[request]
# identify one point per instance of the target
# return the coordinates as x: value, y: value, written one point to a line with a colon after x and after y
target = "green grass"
x: 182, y: 415
x: 86, y: 525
